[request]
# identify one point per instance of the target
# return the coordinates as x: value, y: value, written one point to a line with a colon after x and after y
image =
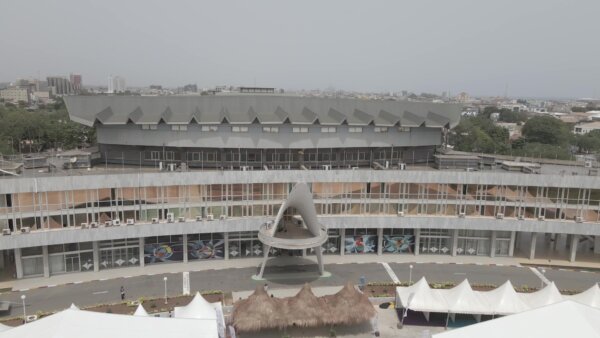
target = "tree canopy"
x: 542, y: 136
x: 35, y: 131
x: 546, y: 130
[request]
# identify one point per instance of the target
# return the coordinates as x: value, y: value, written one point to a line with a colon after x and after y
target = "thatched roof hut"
x: 258, y: 312
x: 261, y: 311
x: 347, y: 307
x: 304, y: 309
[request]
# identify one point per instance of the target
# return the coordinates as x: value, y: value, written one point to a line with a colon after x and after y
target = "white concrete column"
x: 532, y: 246
x: 454, y: 241
x: 18, y: 263
x: 266, y: 249
x: 379, y: 241
x: 46, y: 261
x: 185, y: 248
x: 493, y: 244
x: 141, y: 249
x: 597, y: 244
x: 96, y: 255
x: 511, y: 246
x: 417, y: 239
x: 226, y: 245
x: 304, y: 251
x: 342, y: 241
x: 574, y: 245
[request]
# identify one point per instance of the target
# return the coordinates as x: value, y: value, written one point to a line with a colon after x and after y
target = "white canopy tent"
x: 559, y: 320
x: 140, y: 311
x: 589, y: 297
x: 4, y: 327
x: 198, y: 308
x: 546, y: 296
x: 72, y: 323
x: 505, y: 300
x: 420, y: 297
x: 462, y: 299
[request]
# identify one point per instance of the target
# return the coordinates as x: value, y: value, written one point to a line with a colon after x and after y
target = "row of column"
x: 572, y: 244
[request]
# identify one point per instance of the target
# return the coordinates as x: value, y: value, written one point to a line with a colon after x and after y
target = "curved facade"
x: 363, y: 191
x: 217, y: 215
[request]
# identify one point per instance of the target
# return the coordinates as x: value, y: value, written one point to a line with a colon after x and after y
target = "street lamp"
x: 165, y: 279
x: 24, y: 313
x: 410, y: 274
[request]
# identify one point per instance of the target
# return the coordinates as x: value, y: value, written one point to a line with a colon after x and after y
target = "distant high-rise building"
x: 190, y: 88
x: 61, y: 85
x: 463, y: 97
x: 116, y: 84
x: 76, y: 82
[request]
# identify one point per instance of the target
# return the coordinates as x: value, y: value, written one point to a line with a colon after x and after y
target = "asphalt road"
x: 107, y: 291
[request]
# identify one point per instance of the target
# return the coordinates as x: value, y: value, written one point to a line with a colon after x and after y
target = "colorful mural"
x: 398, y: 244
x: 173, y: 252
x: 361, y: 244
x: 213, y: 249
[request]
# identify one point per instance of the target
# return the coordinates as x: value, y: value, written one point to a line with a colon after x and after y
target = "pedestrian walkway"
x: 76, y: 278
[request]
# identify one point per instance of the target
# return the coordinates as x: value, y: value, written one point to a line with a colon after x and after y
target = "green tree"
x: 546, y: 130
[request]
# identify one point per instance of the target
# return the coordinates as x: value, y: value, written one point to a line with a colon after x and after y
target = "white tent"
x: 73, y: 307
x: 546, y: 296
x: 563, y: 319
x: 140, y: 311
x: 78, y: 323
x: 589, y: 297
x: 420, y: 297
x: 198, y: 308
x: 4, y: 327
x: 462, y: 299
x: 504, y: 300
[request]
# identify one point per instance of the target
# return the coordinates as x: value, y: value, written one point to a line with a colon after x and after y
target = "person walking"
x: 122, y: 293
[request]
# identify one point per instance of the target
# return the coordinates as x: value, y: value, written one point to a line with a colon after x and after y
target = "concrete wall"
x: 255, y: 138
x: 91, y: 180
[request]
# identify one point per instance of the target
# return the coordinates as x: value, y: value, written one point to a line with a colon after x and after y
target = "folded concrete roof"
x: 264, y: 109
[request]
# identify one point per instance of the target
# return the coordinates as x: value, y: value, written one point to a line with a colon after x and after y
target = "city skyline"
x: 421, y: 46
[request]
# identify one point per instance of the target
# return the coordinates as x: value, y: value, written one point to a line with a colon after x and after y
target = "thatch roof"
x: 258, y: 312
x: 304, y: 309
x: 348, y: 307
x: 261, y: 311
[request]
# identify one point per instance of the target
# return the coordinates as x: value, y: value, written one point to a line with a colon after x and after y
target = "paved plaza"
x: 285, y: 274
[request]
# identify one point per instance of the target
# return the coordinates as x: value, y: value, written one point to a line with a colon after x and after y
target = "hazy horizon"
x: 534, y: 48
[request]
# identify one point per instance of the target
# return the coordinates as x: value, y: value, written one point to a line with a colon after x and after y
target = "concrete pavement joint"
x: 390, y: 272
x: 540, y: 275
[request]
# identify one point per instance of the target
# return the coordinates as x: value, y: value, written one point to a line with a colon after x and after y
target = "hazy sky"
x: 537, y: 48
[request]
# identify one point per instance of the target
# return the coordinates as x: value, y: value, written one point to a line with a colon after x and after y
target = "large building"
x: 61, y: 85
x: 183, y: 179
x: 76, y: 82
x: 116, y: 84
x: 16, y: 94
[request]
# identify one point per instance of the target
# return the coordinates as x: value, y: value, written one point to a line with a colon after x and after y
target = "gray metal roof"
x: 264, y: 109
